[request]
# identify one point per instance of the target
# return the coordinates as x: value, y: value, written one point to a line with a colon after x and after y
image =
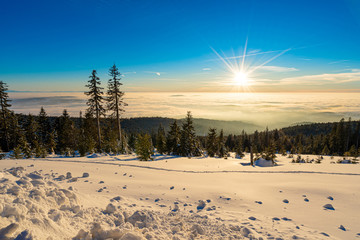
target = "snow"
x: 263, y: 163
x: 178, y: 198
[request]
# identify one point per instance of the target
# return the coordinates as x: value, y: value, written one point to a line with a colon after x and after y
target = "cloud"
x: 278, y: 69
x: 340, y: 61
x: 206, y: 69
x: 156, y: 73
x: 315, y: 80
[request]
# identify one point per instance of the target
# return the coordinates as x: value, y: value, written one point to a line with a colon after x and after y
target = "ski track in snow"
x: 193, y: 171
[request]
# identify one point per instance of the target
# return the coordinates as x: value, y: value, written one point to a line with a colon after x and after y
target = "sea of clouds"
x: 264, y: 109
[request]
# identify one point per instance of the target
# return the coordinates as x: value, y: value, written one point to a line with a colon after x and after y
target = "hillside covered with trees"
x: 102, y: 129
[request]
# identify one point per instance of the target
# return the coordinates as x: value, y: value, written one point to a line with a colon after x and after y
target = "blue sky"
x: 172, y: 45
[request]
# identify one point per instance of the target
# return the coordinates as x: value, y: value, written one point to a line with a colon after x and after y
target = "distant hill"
x: 308, y: 129
x: 151, y: 124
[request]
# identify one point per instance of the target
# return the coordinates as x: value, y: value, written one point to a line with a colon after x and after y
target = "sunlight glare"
x: 241, y: 79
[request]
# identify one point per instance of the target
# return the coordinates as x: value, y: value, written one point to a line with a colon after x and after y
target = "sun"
x: 241, y: 79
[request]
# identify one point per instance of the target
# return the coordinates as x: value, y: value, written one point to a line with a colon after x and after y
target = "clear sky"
x: 196, y: 45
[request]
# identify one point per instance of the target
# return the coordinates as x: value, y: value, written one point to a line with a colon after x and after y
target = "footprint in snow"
x: 325, y: 234
x: 306, y: 200
x: 330, y: 198
x: 285, y: 201
x: 329, y: 207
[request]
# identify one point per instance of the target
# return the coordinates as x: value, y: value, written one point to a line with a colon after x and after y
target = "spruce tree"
x: 4, y: 115
x: 212, y: 143
x: 95, y: 102
x: 89, y: 132
x: 161, y: 140
x: 115, y: 102
x: 44, y: 127
x: 239, y: 149
x: 51, y: 142
x: 131, y: 142
x: 66, y: 133
x: 188, y: 141
x: 31, y: 131
x: 173, y: 139
x: 222, y: 151
x: 143, y: 147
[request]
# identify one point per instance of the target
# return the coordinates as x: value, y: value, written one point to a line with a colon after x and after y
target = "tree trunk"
x: 98, y: 127
x: 118, y: 115
x: 251, y: 156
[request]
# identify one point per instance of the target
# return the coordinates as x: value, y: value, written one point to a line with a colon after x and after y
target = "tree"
x: 173, y: 139
x: 161, y: 140
x: 143, y: 147
x: 44, y: 126
x: 188, y: 142
x: 88, y: 135
x: 212, y: 143
x: 31, y: 131
x: 239, y: 149
x: 325, y: 150
x: 131, y: 142
x: 5, y: 112
x: 222, y: 151
x: 95, y: 102
x: 66, y: 133
x: 115, y: 102
x: 51, y: 143
x: 270, y: 153
x: 25, y: 148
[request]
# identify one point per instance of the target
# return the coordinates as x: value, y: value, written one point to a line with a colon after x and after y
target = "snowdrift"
x: 35, y: 206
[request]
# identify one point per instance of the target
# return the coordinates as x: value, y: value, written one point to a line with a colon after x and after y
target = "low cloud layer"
x: 264, y: 109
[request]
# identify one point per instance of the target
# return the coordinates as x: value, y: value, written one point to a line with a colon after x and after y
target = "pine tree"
x: 14, y: 130
x: 90, y: 135
x: 95, y: 102
x: 44, y: 127
x: 222, y: 151
x: 131, y: 142
x: 31, y: 131
x: 66, y: 133
x: 143, y: 147
x: 270, y: 153
x: 25, y: 148
x: 173, y: 139
x: 239, y: 149
x: 115, y: 102
x: 4, y: 115
x: 51, y: 142
x: 325, y: 150
x: 188, y: 141
x: 161, y: 140
x: 212, y: 143
x: 17, y: 152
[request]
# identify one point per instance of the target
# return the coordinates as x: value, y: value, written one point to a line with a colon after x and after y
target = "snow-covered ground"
x: 178, y: 198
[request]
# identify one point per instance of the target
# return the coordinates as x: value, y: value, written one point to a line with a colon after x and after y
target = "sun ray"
x: 241, y: 73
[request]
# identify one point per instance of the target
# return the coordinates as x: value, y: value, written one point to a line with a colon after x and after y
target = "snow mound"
x: 32, y: 206
x: 263, y: 163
